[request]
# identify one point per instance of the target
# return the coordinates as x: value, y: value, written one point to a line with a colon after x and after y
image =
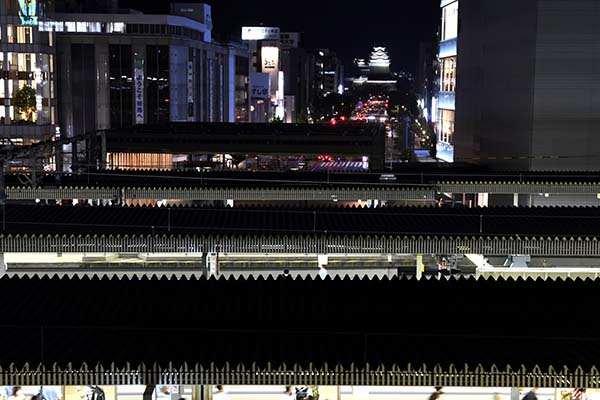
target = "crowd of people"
x: 18, y: 393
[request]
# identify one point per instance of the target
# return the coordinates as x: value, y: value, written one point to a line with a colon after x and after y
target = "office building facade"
x: 444, y: 107
x: 117, y: 70
x: 527, y: 88
x: 28, y: 93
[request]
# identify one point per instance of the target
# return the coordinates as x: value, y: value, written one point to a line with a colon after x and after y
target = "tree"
x: 24, y: 100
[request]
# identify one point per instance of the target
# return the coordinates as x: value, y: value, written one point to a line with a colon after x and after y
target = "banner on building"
x: 28, y: 12
x: 138, y: 74
x: 260, y: 86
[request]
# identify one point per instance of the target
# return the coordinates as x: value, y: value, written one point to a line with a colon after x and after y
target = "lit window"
x: 450, y: 21
x: 446, y: 126
x: 449, y: 74
x: 10, y: 34
x: 24, y: 35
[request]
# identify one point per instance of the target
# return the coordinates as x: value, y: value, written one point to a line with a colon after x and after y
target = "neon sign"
x: 28, y: 12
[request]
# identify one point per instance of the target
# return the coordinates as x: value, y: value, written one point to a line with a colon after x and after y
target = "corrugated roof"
x: 256, y: 321
x: 548, y: 221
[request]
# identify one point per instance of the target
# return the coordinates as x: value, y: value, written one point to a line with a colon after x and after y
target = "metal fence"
x: 426, y: 192
x: 284, y: 375
x: 519, y: 187
x: 302, y: 244
x: 256, y: 194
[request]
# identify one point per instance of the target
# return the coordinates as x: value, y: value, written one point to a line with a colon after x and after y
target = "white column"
x: 102, y: 86
x: 229, y: 82
x: 420, y: 266
x: 516, y: 200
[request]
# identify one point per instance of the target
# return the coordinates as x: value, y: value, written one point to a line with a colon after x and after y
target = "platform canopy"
x: 457, y: 331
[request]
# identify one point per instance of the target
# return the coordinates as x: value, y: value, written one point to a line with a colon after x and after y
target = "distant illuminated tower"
x: 379, y: 61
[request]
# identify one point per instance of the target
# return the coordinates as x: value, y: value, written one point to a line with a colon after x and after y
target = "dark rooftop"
x: 547, y: 221
x: 388, y: 322
x: 407, y: 176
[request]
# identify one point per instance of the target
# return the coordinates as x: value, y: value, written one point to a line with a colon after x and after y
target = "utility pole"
x: 406, y: 126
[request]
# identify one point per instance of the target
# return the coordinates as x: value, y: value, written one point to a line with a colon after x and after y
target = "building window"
x: 24, y: 35
x: 10, y: 33
x: 157, y: 78
x: 449, y: 74
x: 450, y: 21
x: 446, y: 126
x: 121, y: 86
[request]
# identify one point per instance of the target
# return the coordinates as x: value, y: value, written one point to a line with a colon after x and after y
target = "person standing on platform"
x: 221, y: 395
x: 531, y: 394
x: 288, y: 394
x: 17, y: 393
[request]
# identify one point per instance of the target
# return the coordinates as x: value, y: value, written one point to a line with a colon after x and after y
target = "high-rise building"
x: 328, y: 73
x: 28, y: 93
x: 425, y: 85
x: 527, y: 88
x: 444, y: 113
x: 298, y: 66
x: 267, y: 77
x: 117, y: 70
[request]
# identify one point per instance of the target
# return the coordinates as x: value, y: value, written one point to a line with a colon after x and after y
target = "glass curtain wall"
x: 157, y: 78
x: 121, y: 86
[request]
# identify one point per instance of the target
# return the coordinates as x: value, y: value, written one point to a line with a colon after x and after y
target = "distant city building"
x: 27, y: 63
x: 426, y: 85
x: 94, y: 66
x: 525, y: 99
x: 444, y: 110
x: 267, y: 79
x: 149, y: 69
x: 298, y: 65
x: 328, y: 73
x: 286, y: 78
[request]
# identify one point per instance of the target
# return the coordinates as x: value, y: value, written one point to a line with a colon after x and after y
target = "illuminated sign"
x: 259, y: 33
x: 270, y: 57
x: 260, y: 86
x: 28, y: 12
x: 138, y: 74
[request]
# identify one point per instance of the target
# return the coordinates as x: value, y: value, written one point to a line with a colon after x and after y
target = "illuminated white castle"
x: 379, y: 62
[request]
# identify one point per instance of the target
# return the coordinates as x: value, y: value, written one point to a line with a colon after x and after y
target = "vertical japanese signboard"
x: 138, y: 74
x: 190, y: 90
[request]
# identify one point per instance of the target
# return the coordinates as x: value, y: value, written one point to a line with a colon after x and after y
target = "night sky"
x: 348, y: 27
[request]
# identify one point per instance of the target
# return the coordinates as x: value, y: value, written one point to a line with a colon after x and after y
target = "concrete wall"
x: 567, y: 85
x: 494, y: 99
